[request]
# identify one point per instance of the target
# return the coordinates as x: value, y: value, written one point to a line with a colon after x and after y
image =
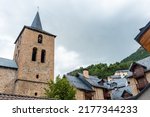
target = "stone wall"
x: 98, y: 95
x: 32, y: 75
x: 7, y: 79
x: 28, y: 88
x: 29, y: 69
x: 80, y: 95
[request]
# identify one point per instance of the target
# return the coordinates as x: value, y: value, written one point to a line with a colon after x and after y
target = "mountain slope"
x: 138, y: 55
x: 102, y: 70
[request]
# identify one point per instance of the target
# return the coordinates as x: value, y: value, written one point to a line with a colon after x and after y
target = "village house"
x: 118, y: 88
x: 122, y: 73
x: 141, y: 75
x: 143, y: 95
x: 87, y: 87
x: 33, y: 62
x: 140, y: 80
x: 92, y: 88
x: 119, y: 74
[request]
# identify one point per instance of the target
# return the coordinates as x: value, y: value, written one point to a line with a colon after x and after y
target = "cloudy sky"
x: 88, y: 31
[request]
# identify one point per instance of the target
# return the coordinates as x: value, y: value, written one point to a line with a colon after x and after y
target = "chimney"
x: 86, y: 73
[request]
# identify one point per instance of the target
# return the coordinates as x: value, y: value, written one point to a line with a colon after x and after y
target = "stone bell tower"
x: 34, y: 55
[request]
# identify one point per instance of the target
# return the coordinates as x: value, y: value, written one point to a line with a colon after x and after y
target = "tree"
x: 60, y: 90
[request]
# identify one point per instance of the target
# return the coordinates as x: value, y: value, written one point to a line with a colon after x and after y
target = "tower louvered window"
x: 40, y: 38
x: 34, y: 53
x: 43, y: 54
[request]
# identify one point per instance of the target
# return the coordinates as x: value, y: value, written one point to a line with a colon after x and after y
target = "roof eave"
x: 144, y: 29
x: 9, y: 67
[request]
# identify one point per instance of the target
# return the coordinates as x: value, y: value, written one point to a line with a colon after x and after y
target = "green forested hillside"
x: 138, y: 55
x: 102, y: 70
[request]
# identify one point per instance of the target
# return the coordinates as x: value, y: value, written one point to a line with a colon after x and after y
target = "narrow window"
x: 40, y: 38
x: 43, y: 54
x: 34, y: 52
x: 18, y: 52
x: 35, y: 94
x: 37, y: 76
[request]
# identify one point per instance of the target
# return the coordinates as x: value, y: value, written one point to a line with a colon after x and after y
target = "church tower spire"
x: 34, y: 55
x: 37, y: 22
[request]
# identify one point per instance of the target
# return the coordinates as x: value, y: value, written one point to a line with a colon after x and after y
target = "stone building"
x: 92, y: 88
x: 87, y: 87
x: 33, y: 62
x: 141, y: 75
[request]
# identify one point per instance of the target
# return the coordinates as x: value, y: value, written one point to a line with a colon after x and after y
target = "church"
x: 33, y: 62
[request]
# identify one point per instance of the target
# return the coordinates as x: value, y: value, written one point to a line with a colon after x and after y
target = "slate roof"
x: 79, y: 83
x: 144, y: 62
x: 35, y: 26
x: 142, y: 31
x: 117, y: 83
x: 37, y: 22
x: 92, y: 80
x: 7, y: 63
x: 117, y: 94
x: 4, y: 96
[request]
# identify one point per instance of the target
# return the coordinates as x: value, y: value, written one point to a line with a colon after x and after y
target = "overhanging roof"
x: 142, y: 31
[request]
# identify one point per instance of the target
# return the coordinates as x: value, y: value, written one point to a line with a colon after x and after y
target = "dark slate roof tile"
x: 78, y: 83
x: 37, y: 22
x: 117, y: 83
x: 93, y: 80
x: 117, y: 94
x: 7, y: 63
x: 145, y: 62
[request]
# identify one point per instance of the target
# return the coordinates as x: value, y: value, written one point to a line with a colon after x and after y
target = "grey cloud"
x: 82, y: 26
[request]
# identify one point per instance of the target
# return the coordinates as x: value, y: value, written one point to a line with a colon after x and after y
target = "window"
x: 18, y: 52
x: 34, y: 52
x: 35, y: 94
x: 43, y: 54
x: 37, y: 76
x: 40, y: 38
